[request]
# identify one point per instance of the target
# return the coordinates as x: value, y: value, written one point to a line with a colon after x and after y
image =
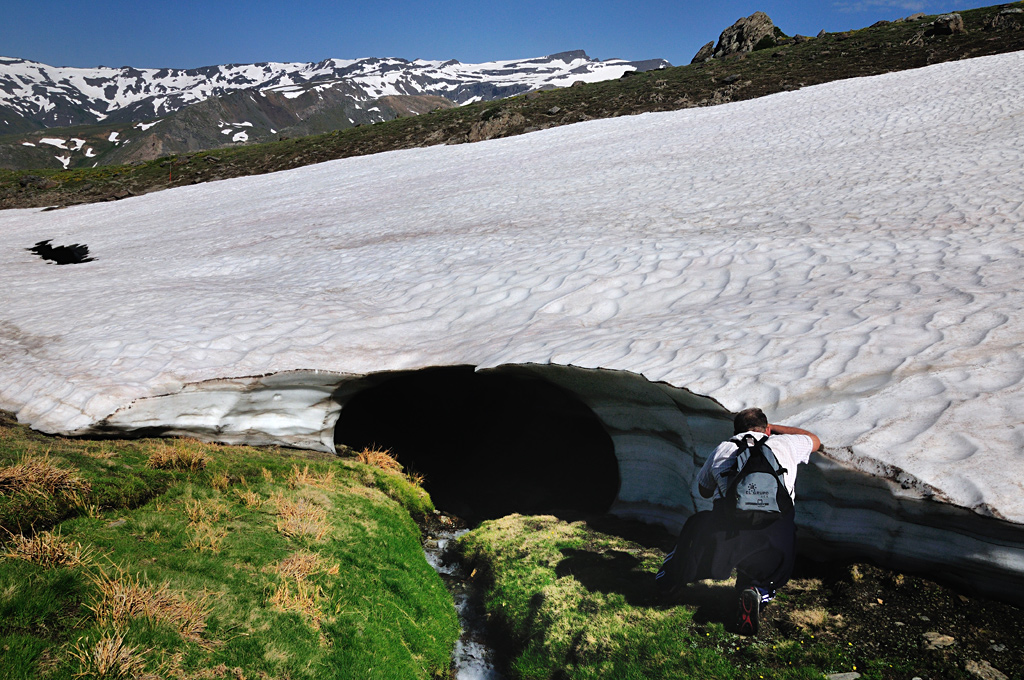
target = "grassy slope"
x: 273, y: 562
x: 574, y: 602
x: 865, y: 52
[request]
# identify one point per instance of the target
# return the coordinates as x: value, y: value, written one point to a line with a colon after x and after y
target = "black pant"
x: 709, y: 547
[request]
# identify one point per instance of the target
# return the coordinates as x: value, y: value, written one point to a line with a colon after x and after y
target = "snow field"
x: 845, y: 256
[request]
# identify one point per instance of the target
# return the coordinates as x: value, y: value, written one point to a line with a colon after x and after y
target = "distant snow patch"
x: 113, y: 136
x: 226, y: 132
x: 65, y: 160
x: 76, y: 144
x: 146, y: 126
x: 52, y: 141
x: 89, y: 153
x: 27, y: 144
x: 240, y: 137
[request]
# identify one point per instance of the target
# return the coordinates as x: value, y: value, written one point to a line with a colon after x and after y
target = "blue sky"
x: 187, y: 34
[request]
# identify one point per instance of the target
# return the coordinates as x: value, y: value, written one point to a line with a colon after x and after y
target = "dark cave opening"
x: 489, y: 444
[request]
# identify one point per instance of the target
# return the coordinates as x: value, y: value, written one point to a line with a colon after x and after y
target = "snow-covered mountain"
x: 35, y: 95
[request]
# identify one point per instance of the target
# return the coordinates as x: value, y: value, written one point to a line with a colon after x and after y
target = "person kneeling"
x: 751, y: 528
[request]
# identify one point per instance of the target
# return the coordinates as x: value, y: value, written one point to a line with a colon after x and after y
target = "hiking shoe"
x: 750, y: 605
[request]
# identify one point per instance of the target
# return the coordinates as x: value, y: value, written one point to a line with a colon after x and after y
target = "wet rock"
x: 984, y: 670
x: 935, y: 640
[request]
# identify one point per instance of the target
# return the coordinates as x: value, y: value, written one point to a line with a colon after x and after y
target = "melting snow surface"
x: 846, y: 256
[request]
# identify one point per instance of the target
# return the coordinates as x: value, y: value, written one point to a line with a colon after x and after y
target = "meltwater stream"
x: 472, y: 658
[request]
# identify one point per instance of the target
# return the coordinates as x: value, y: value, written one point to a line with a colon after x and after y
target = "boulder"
x: 948, y: 24
x: 36, y: 181
x: 704, y: 53
x: 744, y: 35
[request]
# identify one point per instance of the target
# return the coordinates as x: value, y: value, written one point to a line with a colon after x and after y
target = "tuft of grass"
x: 123, y: 597
x: 48, y: 549
x: 179, y: 456
x: 206, y: 537
x: 379, y: 458
x: 301, y: 517
x: 249, y: 499
x: 220, y: 482
x: 299, y: 566
x: 109, y: 659
x: 40, y: 474
x: 300, y: 597
x: 304, y: 477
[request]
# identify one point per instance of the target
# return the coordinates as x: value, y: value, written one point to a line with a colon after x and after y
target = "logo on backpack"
x: 756, y: 494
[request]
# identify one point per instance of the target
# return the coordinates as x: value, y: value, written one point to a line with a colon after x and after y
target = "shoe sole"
x: 750, y: 604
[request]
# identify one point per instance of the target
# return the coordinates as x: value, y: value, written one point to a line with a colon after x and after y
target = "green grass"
x: 575, y: 603
x: 276, y: 563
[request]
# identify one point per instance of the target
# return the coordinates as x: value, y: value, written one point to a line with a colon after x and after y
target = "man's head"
x: 750, y: 420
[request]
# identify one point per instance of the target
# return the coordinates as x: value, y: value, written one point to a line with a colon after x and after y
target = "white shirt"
x: 789, y: 449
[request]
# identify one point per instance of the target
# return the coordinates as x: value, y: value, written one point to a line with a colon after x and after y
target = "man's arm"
x: 784, y: 429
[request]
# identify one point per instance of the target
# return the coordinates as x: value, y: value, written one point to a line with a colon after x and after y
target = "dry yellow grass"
x: 813, y: 619
x: 380, y: 458
x: 109, y: 659
x: 220, y: 482
x: 299, y: 565
x: 301, y: 517
x: 249, y: 499
x: 123, y: 597
x: 180, y: 455
x: 302, y: 598
x: 48, y: 549
x: 209, y: 511
x: 40, y: 474
x: 304, y: 477
x: 205, y: 536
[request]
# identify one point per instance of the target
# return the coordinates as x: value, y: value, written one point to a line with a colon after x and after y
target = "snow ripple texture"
x: 847, y: 256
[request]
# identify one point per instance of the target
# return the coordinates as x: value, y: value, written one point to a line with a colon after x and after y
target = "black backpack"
x: 756, y: 496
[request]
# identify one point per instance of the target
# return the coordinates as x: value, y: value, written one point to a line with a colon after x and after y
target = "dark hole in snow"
x: 489, y: 444
x: 76, y: 253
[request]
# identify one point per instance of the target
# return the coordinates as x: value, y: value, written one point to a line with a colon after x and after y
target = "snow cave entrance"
x: 489, y: 444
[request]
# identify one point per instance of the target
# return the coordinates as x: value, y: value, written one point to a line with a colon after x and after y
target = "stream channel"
x: 473, y: 658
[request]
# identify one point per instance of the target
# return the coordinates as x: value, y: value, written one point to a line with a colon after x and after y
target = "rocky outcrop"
x: 948, y: 24
x: 745, y: 35
x: 704, y: 53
